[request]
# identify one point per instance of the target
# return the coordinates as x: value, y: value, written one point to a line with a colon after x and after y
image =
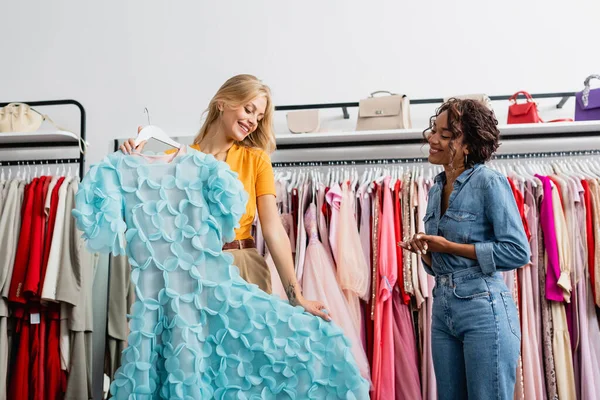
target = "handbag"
x: 19, y: 117
x: 481, y: 97
x: 587, y: 102
x: 523, y: 113
x: 384, y: 112
x: 303, y: 121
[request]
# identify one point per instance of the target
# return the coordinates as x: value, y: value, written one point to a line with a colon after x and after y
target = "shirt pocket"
x: 429, y: 223
x: 458, y: 225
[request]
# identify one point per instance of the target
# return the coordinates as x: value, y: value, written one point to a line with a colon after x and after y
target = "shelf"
x: 583, y: 128
x: 48, y: 138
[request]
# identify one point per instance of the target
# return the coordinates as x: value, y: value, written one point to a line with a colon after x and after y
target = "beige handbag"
x: 384, y: 112
x: 19, y: 117
x: 481, y: 97
x: 303, y: 121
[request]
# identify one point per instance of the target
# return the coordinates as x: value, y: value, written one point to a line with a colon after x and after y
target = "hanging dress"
x: 198, y: 330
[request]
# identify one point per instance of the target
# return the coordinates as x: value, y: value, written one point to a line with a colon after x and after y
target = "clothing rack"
x: 516, y: 156
x: 46, y: 144
x: 564, y: 96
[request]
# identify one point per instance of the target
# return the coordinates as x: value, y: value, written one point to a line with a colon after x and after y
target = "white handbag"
x: 303, y: 121
x: 19, y: 117
x: 384, y: 112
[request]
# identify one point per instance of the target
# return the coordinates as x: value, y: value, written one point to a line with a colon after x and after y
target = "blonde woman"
x: 239, y: 130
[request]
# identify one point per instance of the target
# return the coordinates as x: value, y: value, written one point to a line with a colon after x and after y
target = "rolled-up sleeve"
x: 509, y: 249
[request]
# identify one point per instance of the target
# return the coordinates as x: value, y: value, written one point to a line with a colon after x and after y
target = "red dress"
x: 19, y: 378
x: 15, y: 293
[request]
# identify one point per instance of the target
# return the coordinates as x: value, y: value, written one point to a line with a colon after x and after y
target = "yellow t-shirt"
x: 255, y: 171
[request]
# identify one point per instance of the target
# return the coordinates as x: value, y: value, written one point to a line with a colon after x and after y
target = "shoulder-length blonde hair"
x: 236, y: 92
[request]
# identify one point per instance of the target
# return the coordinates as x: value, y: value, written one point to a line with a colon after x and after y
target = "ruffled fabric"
x: 98, y: 212
x: 198, y: 330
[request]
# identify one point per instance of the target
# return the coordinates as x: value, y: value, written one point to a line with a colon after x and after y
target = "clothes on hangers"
x: 559, y: 212
x: 42, y: 353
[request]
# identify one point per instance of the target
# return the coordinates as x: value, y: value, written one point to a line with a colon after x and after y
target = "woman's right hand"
x: 128, y: 146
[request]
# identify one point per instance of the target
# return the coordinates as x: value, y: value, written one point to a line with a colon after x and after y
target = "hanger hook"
x: 147, y: 114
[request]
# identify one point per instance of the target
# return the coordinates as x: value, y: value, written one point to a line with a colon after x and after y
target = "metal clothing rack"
x: 564, y: 96
x: 42, y: 144
x: 515, y: 156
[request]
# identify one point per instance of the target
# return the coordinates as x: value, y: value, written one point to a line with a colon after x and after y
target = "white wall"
x: 118, y: 57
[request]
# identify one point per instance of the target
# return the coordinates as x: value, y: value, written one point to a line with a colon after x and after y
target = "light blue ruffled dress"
x: 198, y: 330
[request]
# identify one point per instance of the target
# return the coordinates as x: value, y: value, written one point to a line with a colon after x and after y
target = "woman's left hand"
x: 316, y: 308
x: 435, y: 244
x: 426, y: 243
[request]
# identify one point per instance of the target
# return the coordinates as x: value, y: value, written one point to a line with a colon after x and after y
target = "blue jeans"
x: 476, y: 336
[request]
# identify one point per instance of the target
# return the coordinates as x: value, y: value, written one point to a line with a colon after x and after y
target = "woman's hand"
x: 129, y: 145
x: 421, y: 243
x: 315, y: 308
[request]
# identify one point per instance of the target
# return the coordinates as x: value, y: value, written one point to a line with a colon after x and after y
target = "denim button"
x: 444, y: 280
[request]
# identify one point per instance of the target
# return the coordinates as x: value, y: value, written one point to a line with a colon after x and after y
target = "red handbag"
x: 523, y: 113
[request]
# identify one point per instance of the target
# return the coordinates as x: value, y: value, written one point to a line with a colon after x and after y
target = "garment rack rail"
x: 413, y: 160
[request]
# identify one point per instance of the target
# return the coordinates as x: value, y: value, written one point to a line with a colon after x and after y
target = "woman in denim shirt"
x: 473, y: 231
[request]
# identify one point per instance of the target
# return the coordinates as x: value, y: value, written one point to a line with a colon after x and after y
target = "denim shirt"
x: 482, y: 211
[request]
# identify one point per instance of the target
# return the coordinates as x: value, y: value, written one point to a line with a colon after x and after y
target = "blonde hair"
x: 238, y: 91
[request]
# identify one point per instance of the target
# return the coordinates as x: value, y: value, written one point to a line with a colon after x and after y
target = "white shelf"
x: 541, y: 129
x: 37, y: 137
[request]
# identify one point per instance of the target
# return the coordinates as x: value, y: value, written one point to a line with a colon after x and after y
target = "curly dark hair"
x: 477, y: 125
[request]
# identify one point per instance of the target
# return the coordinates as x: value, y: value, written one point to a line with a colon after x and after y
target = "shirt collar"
x: 441, y: 177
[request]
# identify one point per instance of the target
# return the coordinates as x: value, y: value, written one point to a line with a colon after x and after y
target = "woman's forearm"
x: 281, y: 251
x: 462, y: 250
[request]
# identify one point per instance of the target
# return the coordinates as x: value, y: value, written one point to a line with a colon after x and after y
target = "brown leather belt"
x: 240, y: 244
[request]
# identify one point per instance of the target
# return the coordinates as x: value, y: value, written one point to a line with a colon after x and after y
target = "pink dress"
x: 320, y: 284
x: 334, y: 198
x: 321, y: 223
x: 383, y: 348
x: 352, y: 271
x: 553, y: 291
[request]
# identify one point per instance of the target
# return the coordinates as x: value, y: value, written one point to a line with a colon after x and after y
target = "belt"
x: 240, y: 244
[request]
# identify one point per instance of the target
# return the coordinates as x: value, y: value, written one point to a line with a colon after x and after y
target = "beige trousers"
x: 253, y: 267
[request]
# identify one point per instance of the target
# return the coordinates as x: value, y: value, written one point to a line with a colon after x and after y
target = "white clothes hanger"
x: 154, y: 132
x: 354, y: 178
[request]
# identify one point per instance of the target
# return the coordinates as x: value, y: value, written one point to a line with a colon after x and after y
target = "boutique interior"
x: 352, y: 177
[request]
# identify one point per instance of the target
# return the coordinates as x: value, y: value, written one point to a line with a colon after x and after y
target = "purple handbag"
x: 587, y: 102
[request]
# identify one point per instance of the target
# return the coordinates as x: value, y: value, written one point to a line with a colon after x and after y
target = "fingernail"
x: 419, y: 251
